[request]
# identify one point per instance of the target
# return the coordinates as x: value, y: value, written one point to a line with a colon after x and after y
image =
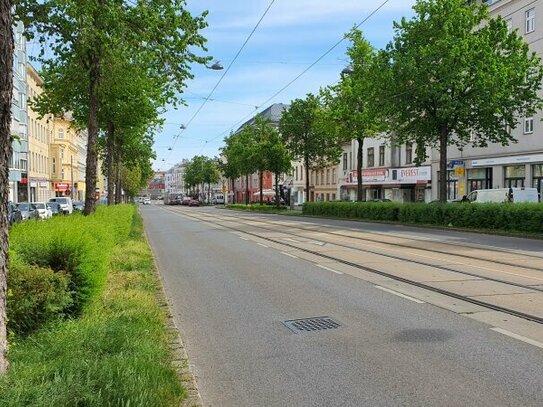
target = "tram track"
x: 484, y: 304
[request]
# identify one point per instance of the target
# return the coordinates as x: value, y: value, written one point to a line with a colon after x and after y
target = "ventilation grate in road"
x: 311, y: 324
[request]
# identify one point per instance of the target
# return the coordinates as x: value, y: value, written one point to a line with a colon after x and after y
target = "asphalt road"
x: 230, y: 296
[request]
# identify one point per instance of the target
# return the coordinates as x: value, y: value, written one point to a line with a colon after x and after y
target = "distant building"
x: 64, y: 157
x: 19, y: 186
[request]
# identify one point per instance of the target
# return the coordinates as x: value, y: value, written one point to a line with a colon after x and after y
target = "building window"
x: 327, y: 177
x: 479, y: 178
x: 54, y: 165
x: 344, y: 161
x: 409, y: 153
x: 60, y: 133
x: 322, y: 177
x: 333, y: 176
x: 510, y: 25
x: 61, y: 154
x: 514, y: 176
x: 296, y: 176
x: 371, y: 157
x: 530, y: 20
x: 537, y: 182
x: 381, y: 156
x: 528, y: 125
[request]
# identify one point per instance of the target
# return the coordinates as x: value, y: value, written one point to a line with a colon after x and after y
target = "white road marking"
x: 329, y: 269
x: 290, y: 240
x: 519, y: 337
x: 289, y: 255
x: 262, y: 244
x: 243, y: 238
x: 399, y: 294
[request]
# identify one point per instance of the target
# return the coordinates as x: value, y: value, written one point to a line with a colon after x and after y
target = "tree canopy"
x: 453, y: 76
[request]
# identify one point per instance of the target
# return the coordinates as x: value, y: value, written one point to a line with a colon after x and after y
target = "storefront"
x: 405, y: 184
x: 61, y: 188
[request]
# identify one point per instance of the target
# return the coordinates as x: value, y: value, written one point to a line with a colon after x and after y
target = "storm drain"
x: 311, y: 324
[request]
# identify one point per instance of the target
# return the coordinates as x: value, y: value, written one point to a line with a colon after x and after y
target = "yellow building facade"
x: 64, y: 158
x: 39, y: 141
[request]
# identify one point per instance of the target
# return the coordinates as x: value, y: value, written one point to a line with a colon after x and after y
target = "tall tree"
x: 279, y: 160
x: 349, y: 105
x: 84, y: 35
x: 303, y: 128
x: 452, y: 73
x: 6, y: 92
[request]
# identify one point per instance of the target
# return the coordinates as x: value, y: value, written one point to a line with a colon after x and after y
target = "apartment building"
x: 496, y: 166
x: 39, y: 141
x: 19, y: 187
x: 64, y: 157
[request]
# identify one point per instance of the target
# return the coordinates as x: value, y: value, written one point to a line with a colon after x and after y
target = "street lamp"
x: 347, y: 70
x: 216, y: 66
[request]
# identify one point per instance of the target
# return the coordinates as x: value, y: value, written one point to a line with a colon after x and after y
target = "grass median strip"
x: 115, y: 353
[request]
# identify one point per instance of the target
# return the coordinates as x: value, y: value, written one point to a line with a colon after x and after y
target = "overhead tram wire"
x: 227, y: 69
x: 376, y: 10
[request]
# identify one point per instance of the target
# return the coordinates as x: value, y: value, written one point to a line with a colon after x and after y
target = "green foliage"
x: 116, y: 354
x: 76, y: 245
x: 520, y: 218
x: 385, y: 211
x: 256, y: 208
x: 36, y: 296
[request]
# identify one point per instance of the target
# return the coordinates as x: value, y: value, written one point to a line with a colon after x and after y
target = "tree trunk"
x: 306, y: 163
x: 6, y: 92
x: 110, y: 163
x: 246, y: 190
x: 119, y: 177
x: 92, y: 129
x: 233, y: 191
x: 443, y: 138
x: 359, y: 158
x: 277, y: 199
x: 261, y: 175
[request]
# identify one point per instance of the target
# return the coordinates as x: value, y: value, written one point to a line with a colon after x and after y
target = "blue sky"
x: 291, y: 37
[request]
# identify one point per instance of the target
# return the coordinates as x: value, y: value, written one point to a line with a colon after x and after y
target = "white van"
x: 218, y: 199
x: 500, y: 195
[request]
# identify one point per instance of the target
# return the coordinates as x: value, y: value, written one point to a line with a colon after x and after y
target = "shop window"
x: 537, y: 174
x: 515, y: 176
x: 371, y: 157
x: 479, y: 178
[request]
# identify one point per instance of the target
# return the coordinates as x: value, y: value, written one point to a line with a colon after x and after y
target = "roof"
x: 272, y: 113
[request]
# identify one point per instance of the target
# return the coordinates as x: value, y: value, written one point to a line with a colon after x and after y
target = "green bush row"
x: 60, y: 265
x: 256, y: 207
x: 115, y: 353
x: 524, y: 218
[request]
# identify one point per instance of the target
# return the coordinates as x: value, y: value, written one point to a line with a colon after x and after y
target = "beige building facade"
x: 64, y: 158
x: 519, y: 164
x: 39, y: 141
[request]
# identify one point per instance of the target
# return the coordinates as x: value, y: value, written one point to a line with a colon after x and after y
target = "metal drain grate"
x: 311, y: 324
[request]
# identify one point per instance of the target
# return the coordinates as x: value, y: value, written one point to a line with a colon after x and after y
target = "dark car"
x: 14, y: 214
x: 194, y: 202
x: 79, y: 206
x: 28, y: 211
x: 379, y: 200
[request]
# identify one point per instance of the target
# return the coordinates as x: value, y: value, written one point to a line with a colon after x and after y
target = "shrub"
x: 381, y: 211
x: 36, y: 295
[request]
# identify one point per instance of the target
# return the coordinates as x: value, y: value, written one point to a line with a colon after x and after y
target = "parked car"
x: 66, y: 204
x: 194, y: 202
x: 501, y: 195
x: 79, y: 206
x: 44, y: 211
x: 27, y: 211
x: 147, y: 201
x: 14, y: 214
x: 55, y: 208
x: 379, y: 200
x: 186, y: 200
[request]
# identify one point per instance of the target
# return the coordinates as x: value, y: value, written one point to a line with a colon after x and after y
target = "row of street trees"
x: 257, y: 147
x: 451, y: 76
x: 114, y: 65
x: 201, y: 170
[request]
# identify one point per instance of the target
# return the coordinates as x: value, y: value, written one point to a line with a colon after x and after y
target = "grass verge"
x: 116, y: 353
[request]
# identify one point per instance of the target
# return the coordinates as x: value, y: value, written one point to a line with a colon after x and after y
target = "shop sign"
x: 61, y: 186
x: 518, y: 159
x: 380, y: 176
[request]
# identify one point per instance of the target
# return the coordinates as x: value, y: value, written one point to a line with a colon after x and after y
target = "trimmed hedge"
x: 524, y: 218
x: 256, y: 207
